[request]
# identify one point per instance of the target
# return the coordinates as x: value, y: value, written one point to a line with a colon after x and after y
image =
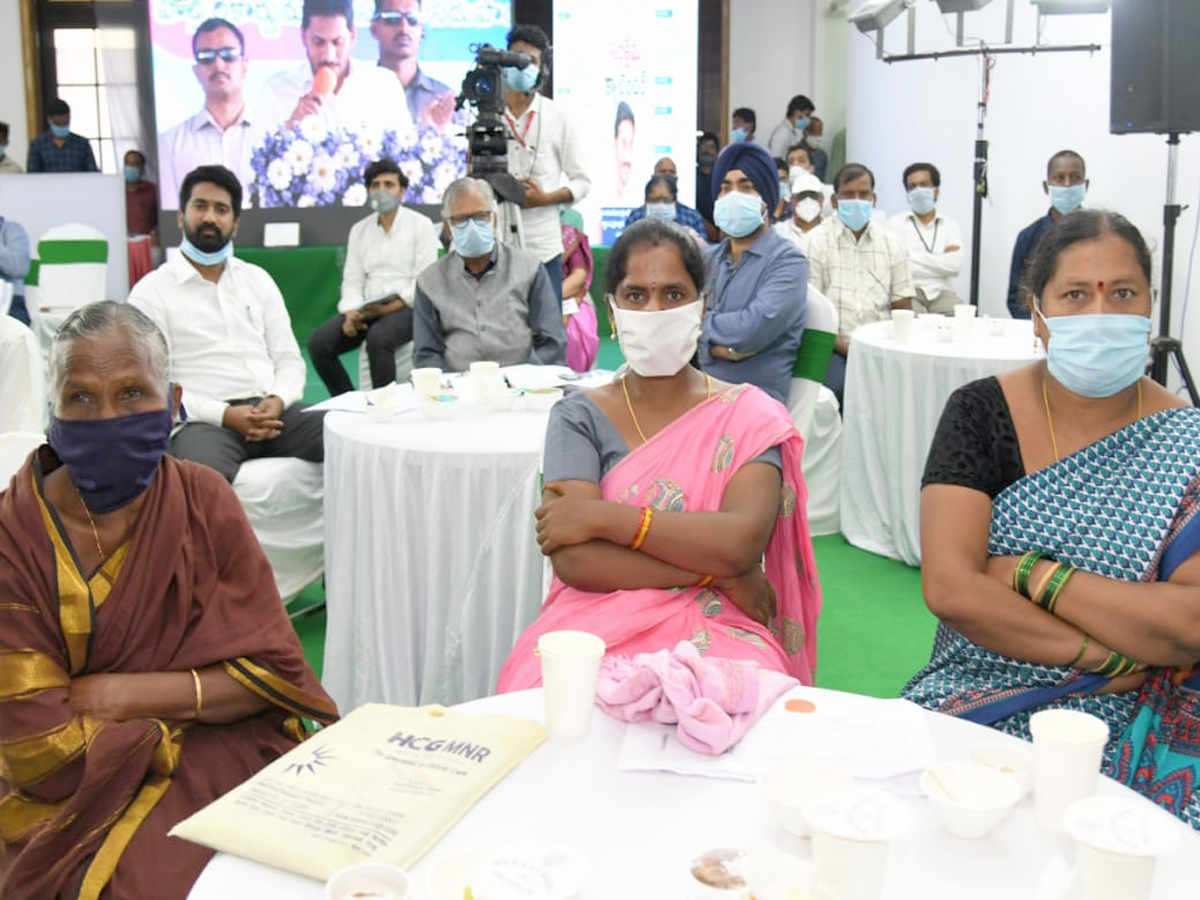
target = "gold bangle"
x: 643, y: 528
x: 1038, y: 591
x: 704, y: 582
x: 199, y: 694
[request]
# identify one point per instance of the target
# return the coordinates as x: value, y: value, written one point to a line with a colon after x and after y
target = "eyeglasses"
x: 394, y: 18
x: 481, y: 217
x: 225, y: 54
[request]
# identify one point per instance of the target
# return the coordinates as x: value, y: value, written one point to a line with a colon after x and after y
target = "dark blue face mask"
x: 111, y: 461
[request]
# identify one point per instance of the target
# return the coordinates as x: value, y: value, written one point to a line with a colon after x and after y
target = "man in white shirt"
x: 933, y: 241
x: 385, y: 253
x: 544, y: 153
x: 230, y: 338
x: 859, y: 265
x: 352, y: 95
x: 219, y: 133
x: 791, y: 130
x: 808, y: 195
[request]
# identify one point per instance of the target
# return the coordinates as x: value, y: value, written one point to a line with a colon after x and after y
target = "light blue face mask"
x: 1097, y: 355
x: 738, y: 134
x: 738, y: 214
x: 60, y: 131
x: 660, y: 211
x: 202, y: 258
x: 473, y: 239
x: 523, y: 80
x: 855, y: 214
x: 802, y: 123
x: 383, y: 201
x: 132, y: 174
x: 1066, y: 198
x: 920, y: 200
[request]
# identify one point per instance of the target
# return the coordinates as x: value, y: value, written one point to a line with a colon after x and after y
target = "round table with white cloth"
x: 894, y: 396
x: 640, y: 829
x: 431, y: 559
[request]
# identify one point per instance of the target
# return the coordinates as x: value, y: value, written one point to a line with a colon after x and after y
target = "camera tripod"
x: 1164, y: 346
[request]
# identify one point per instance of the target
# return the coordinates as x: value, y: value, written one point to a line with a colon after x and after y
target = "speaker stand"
x: 1164, y: 346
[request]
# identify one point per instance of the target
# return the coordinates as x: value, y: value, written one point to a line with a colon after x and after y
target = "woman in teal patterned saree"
x: 1059, y: 526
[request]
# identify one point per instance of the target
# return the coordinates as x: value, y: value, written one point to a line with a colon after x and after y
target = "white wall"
x: 1040, y: 104
x: 771, y: 58
x: 12, y: 76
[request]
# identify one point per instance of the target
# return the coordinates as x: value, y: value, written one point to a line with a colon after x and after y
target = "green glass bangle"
x: 1023, y: 570
x: 1055, y: 588
x: 1087, y: 640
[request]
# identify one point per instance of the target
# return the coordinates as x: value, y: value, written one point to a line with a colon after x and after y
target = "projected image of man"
x: 219, y: 133
x: 329, y: 84
x: 623, y: 134
x: 399, y: 28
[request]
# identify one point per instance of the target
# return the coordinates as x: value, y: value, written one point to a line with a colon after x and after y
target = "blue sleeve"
x: 1016, y: 270
x: 545, y: 321
x: 429, y: 345
x: 14, y: 251
x: 33, y: 162
x: 91, y: 157
x: 777, y: 307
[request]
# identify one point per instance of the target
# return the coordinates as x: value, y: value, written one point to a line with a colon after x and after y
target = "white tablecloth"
x: 640, y: 829
x: 894, y: 398
x: 432, y: 566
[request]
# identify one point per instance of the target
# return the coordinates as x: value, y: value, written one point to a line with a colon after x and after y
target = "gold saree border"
x: 32, y: 759
x: 25, y: 671
x: 275, y: 690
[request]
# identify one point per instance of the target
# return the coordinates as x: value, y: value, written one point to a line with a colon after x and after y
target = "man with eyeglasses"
x: 399, y: 28
x: 219, y: 133
x: 484, y: 300
x: 358, y: 95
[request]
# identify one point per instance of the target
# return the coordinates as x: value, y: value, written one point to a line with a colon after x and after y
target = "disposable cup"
x: 426, y: 382
x: 1118, y: 841
x: 1067, y: 748
x: 903, y: 321
x: 486, y: 378
x: 368, y: 879
x: 852, y: 829
x: 964, y: 320
x: 570, y: 668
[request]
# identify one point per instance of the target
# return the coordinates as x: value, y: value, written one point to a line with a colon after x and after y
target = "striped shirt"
x: 863, y: 278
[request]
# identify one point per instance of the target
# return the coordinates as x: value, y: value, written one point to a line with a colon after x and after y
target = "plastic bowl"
x: 1011, y: 759
x: 500, y: 401
x: 441, y: 408
x: 970, y: 799
x: 787, y: 786
x: 368, y: 879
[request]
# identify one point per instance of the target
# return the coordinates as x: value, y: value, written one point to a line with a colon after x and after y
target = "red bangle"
x: 643, y: 529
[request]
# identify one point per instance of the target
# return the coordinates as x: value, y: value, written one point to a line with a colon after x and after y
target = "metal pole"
x: 1170, y: 215
x: 981, y: 157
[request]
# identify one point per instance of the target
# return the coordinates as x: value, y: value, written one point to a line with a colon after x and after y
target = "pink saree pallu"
x: 686, y: 468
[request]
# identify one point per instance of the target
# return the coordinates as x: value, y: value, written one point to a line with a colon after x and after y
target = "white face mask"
x: 808, y: 210
x: 658, y: 342
x: 813, y: 140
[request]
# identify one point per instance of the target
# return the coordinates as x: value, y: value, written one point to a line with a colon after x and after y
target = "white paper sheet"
x: 860, y: 736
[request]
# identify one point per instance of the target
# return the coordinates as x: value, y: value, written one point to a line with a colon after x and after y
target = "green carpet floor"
x: 874, y: 633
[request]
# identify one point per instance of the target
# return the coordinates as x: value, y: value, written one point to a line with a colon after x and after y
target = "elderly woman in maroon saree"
x: 147, y: 664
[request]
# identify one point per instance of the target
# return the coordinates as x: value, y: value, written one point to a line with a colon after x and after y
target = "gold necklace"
x: 629, y: 403
x: 91, y: 521
x: 1050, y: 419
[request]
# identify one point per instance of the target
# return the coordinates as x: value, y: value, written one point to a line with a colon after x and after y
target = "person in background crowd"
x: 579, y: 315
x: 232, y: 348
x: 666, y: 166
x: 484, y: 300
x: 544, y: 153
x: 399, y: 28
x: 662, y: 202
x: 933, y: 241
x: 1066, y: 185
x: 385, y: 253
x: 783, y: 209
x: 756, y: 280
x: 141, y: 198
x: 743, y: 123
x: 147, y: 663
x: 220, y: 131
x: 8, y: 165
x: 707, y: 147
x: 14, y: 264
x: 792, y: 129
x: 807, y: 197
x: 814, y: 139
x: 860, y: 266
x: 799, y: 159
x: 58, y: 149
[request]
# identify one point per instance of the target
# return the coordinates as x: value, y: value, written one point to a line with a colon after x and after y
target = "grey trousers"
x: 225, y: 450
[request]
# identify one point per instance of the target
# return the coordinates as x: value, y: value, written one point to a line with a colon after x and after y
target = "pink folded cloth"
x: 714, y: 701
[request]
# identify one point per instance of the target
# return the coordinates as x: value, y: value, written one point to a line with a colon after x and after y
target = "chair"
x: 6, y: 297
x: 284, y: 501
x: 404, y: 365
x: 15, y: 446
x: 812, y: 358
x: 822, y: 464
x: 22, y: 378
x: 69, y: 272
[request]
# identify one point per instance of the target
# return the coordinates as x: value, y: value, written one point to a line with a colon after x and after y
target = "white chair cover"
x: 822, y: 318
x: 22, y: 378
x: 403, y: 366
x: 822, y: 464
x: 14, y: 447
x: 6, y: 297
x: 284, y: 500
x: 72, y: 272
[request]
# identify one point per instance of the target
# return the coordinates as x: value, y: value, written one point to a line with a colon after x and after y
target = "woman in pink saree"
x: 665, y: 489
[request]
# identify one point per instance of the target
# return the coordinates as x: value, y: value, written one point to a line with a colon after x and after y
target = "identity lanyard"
x: 917, y: 228
x: 520, y: 138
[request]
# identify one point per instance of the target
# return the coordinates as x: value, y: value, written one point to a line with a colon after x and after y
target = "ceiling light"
x: 1069, y: 7
x: 957, y: 6
x: 874, y: 15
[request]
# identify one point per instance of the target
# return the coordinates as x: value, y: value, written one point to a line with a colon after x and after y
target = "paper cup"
x: 368, y: 879
x: 426, y: 382
x: 903, y: 321
x: 486, y: 378
x: 964, y: 320
x: 1067, y: 749
x: 852, y: 829
x: 570, y: 668
x: 1118, y: 842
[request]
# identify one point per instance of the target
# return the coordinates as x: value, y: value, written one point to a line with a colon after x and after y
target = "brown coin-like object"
x: 800, y: 706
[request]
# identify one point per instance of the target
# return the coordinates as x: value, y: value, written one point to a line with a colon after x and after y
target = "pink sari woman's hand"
x: 752, y: 593
x: 564, y: 519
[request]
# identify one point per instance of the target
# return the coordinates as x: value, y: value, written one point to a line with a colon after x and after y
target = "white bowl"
x: 542, y: 399
x: 787, y: 786
x: 1011, y: 759
x: 970, y: 799
x: 381, y: 412
x: 368, y: 879
x: 441, y: 409
x: 501, y: 400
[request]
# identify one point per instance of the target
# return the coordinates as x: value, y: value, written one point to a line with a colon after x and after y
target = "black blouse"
x: 975, y: 445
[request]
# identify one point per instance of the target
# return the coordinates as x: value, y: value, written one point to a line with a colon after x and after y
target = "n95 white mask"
x: 658, y: 342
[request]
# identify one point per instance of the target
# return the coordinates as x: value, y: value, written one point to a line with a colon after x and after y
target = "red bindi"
x: 1101, y: 284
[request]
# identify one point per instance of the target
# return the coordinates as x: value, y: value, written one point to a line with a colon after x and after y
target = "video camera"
x: 484, y: 88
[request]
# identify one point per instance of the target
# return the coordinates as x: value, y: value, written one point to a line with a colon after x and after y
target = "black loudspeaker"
x: 1155, y: 66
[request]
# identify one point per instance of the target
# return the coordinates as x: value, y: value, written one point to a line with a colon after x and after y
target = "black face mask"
x: 706, y: 159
